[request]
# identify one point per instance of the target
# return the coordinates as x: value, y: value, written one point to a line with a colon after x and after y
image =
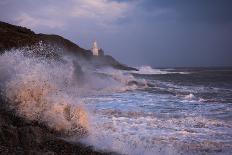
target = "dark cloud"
x: 152, y: 32
x: 215, y: 11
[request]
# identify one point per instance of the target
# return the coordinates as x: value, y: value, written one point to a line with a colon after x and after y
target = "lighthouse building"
x: 97, y: 51
x: 95, y: 48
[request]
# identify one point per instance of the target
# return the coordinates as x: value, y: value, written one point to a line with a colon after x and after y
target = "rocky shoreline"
x: 21, y: 136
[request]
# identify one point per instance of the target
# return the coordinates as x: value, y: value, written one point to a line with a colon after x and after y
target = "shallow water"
x: 181, y: 111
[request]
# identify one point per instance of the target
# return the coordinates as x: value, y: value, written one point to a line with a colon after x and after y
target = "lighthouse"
x: 95, y: 49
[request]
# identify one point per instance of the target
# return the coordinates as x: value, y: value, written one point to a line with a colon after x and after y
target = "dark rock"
x: 15, y: 36
x: 101, y: 52
x: 30, y: 136
x: 107, y: 60
x: 9, y: 136
x: 23, y: 137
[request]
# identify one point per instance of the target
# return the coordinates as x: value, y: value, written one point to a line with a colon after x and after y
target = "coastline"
x: 21, y: 136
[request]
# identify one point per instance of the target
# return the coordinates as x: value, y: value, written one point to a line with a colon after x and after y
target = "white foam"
x: 141, y: 134
x: 37, y: 89
x: 148, y: 70
x: 51, y: 91
x: 189, y: 96
x: 122, y: 79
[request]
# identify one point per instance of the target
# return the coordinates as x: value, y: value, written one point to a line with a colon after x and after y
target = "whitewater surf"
x: 149, y: 111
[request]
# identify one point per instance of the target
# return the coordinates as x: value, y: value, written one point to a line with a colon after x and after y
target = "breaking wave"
x: 115, y: 110
x: 37, y: 90
x: 148, y: 70
x: 52, y: 91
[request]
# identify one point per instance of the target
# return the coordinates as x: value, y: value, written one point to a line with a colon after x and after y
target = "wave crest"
x: 51, y: 91
x: 148, y: 70
x: 37, y: 90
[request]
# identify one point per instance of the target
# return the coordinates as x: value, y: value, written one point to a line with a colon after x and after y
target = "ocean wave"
x: 125, y: 81
x: 189, y: 96
x: 148, y: 70
x: 107, y: 104
x: 51, y: 90
x: 37, y: 90
x: 140, y: 133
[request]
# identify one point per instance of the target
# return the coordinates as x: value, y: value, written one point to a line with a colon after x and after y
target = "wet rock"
x: 23, y: 137
x: 31, y: 136
x: 9, y: 136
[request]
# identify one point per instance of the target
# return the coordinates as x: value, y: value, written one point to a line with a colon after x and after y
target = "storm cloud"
x: 138, y: 32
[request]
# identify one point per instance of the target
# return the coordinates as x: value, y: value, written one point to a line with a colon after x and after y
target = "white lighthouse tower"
x: 95, y: 49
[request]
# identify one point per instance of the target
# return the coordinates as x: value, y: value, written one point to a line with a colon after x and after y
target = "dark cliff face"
x: 65, y: 44
x: 15, y: 36
x: 12, y: 36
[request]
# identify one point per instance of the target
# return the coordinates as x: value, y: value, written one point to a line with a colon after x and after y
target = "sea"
x: 152, y: 111
x: 179, y: 111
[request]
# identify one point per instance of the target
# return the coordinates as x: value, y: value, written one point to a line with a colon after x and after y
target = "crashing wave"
x: 189, y: 96
x: 36, y: 90
x: 148, y: 70
x: 51, y: 90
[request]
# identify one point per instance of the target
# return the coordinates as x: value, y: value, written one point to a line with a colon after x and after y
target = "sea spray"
x: 148, y: 70
x: 72, y: 96
x: 37, y: 89
x: 52, y: 91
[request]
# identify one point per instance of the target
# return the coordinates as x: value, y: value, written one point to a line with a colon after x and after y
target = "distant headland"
x: 12, y: 36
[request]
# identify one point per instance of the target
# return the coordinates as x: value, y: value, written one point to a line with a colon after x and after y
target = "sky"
x: 158, y: 33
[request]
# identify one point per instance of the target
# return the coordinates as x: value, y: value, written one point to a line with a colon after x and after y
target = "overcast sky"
x: 158, y: 33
